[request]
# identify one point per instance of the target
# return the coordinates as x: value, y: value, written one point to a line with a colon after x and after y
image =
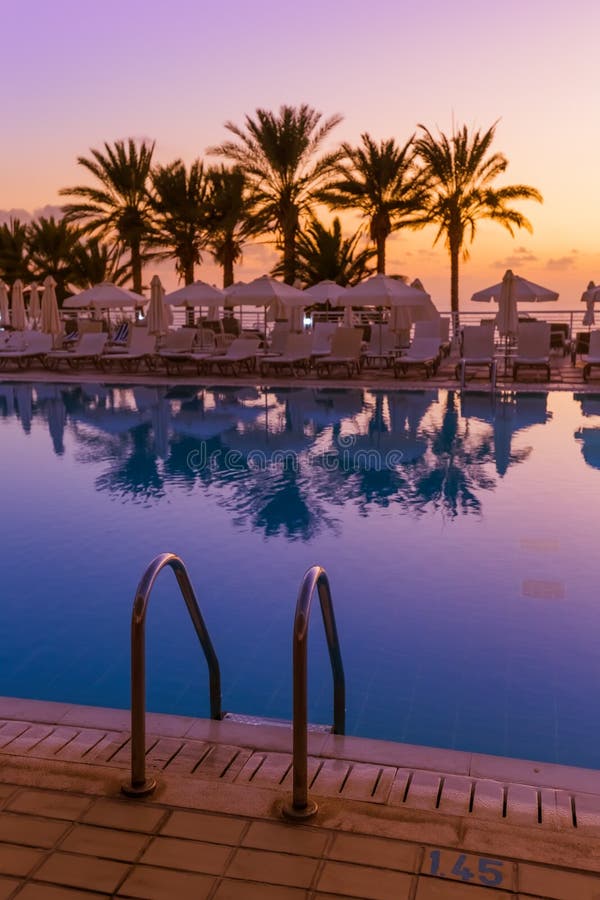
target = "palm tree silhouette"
x: 229, y: 220
x: 325, y: 254
x: 381, y: 181
x: 179, y: 203
x: 277, y: 153
x: 119, y: 208
x: 460, y: 171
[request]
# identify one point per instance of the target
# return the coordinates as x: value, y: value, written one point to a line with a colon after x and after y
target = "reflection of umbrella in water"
x: 590, y: 445
x: 507, y: 415
x: 7, y: 399
x: 23, y: 398
x: 379, y: 449
x: 266, y: 444
x: 57, y: 417
x: 153, y: 400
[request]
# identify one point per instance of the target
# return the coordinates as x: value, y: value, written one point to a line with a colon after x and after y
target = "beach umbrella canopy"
x: 197, y: 294
x: 34, y: 302
x: 104, y: 296
x: 263, y: 291
x: 17, y: 313
x: 381, y: 290
x: 325, y: 292
x: 4, y: 313
x: 50, y: 322
x: 522, y: 290
x: 158, y: 317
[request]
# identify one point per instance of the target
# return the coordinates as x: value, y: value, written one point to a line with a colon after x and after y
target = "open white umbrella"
x: 522, y: 291
x: 34, y: 302
x: 325, y: 292
x: 266, y: 292
x: 50, y: 319
x: 105, y: 296
x: 4, y: 313
x: 158, y: 317
x: 197, y: 294
x: 17, y: 312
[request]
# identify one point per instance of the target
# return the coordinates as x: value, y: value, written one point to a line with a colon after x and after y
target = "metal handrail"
x: 141, y: 785
x: 314, y: 578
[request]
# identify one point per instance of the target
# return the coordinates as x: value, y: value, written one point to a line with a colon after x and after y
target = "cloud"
x: 560, y: 264
x: 519, y: 256
x: 24, y: 215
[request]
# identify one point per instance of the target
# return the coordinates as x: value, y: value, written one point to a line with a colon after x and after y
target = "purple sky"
x: 78, y: 74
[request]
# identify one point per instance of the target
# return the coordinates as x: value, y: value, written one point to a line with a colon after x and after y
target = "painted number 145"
x: 489, y: 871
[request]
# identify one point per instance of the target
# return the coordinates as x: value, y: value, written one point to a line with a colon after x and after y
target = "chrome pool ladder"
x: 315, y: 579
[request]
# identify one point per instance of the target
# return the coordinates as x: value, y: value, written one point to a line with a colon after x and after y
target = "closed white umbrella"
x: 4, y: 312
x: 50, y: 319
x: 589, y: 297
x: 34, y: 302
x: 17, y: 312
x: 507, y: 319
x: 158, y: 322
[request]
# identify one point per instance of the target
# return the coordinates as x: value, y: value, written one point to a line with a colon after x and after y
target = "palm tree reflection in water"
x: 282, y: 462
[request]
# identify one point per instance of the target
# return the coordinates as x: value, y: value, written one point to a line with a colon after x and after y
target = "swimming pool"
x: 459, y: 536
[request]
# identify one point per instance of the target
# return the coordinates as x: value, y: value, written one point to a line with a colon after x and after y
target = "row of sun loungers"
x: 329, y: 351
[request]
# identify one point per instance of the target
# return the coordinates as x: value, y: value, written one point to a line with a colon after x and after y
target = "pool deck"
x: 394, y: 820
x: 564, y: 377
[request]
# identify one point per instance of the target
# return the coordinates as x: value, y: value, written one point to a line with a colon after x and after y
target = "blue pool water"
x: 460, y: 538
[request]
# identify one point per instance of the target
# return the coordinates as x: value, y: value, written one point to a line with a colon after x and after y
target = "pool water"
x: 459, y: 535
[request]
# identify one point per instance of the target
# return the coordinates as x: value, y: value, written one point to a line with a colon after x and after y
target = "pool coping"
x: 277, y: 738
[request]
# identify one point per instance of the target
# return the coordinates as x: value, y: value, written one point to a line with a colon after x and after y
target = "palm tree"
x: 230, y: 220
x: 14, y: 251
x: 381, y: 181
x: 52, y: 248
x: 179, y: 203
x: 277, y: 153
x: 95, y: 262
x: 324, y: 254
x: 460, y: 172
x: 120, y: 206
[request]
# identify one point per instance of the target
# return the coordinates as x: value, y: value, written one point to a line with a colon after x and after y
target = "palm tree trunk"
x: 188, y: 272
x: 289, y: 256
x: 381, y: 238
x: 454, y: 265
x: 136, y: 266
x: 227, y: 270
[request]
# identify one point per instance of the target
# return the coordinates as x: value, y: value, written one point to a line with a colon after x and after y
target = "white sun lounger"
x: 296, y: 355
x: 533, y: 349
x: 24, y: 347
x: 477, y: 352
x: 345, y: 352
x: 241, y: 354
x: 592, y: 358
x: 141, y: 349
x: 423, y: 353
x: 88, y: 348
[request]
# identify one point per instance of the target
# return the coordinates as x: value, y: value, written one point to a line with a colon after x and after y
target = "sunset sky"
x: 78, y: 74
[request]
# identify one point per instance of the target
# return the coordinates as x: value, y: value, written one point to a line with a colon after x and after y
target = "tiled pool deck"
x: 394, y: 820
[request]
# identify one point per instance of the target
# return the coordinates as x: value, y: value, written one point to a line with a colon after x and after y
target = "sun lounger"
x: 296, y: 355
x: 141, y: 349
x: 241, y: 354
x: 533, y: 349
x: 423, y: 353
x: 24, y: 347
x: 345, y: 352
x: 176, y: 342
x: 88, y: 348
x: 322, y: 335
x: 435, y: 328
x: 381, y: 346
x: 592, y: 359
x: 477, y: 352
